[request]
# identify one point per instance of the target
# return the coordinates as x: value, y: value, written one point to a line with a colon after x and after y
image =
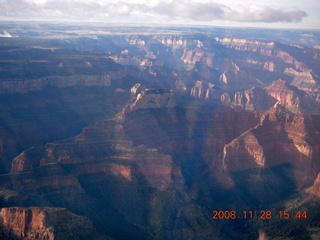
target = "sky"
x: 304, y: 14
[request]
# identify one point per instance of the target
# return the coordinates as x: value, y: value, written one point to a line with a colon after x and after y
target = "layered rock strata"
x: 264, y: 98
x: 315, y: 189
x: 43, y: 223
x: 24, y: 86
x: 279, y: 138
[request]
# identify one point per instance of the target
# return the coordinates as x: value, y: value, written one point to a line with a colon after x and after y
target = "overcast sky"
x: 243, y: 13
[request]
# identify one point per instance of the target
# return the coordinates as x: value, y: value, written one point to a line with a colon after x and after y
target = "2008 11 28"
x: 261, y: 214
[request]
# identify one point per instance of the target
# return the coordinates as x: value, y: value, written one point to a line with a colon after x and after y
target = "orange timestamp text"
x: 260, y: 214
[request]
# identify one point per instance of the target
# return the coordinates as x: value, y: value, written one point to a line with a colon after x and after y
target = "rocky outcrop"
x: 135, y: 40
x: 285, y: 56
x: 135, y: 89
x: 225, y: 99
x: 303, y: 80
x: 264, y: 98
x: 27, y: 160
x: 315, y: 189
x: 238, y: 100
x: 262, y: 47
x: 272, y: 57
x: 173, y: 41
x: 244, y: 152
x: 43, y: 223
x: 269, y: 66
x: 292, y: 98
x: 285, y: 95
x: 194, y: 56
x: 180, y: 85
x: 154, y: 98
x: 205, y: 90
x: 273, y: 65
x: 279, y: 137
x: 199, y: 90
x: 241, y: 44
x: 158, y: 169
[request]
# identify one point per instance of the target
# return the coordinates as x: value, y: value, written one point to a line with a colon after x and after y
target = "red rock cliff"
x: 42, y: 223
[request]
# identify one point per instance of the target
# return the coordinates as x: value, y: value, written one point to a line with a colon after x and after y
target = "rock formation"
x: 293, y: 99
x: 135, y: 89
x: 27, y: 160
x: 269, y: 66
x: 205, y: 90
x: 225, y: 99
x: 315, y: 189
x: 43, y: 223
x: 154, y: 98
x: 304, y: 80
x: 264, y: 98
x: 192, y: 57
x: 244, y: 152
x: 259, y: 148
x: 238, y: 100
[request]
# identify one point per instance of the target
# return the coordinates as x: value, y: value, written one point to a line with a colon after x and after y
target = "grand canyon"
x: 143, y: 132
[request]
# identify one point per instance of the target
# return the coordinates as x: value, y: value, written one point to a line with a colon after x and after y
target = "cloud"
x: 209, y: 11
x: 176, y: 10
x: 191, y: 10
x: 255, y: 13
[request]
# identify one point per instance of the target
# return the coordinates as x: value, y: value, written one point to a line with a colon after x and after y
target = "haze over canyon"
x: 116, y: 132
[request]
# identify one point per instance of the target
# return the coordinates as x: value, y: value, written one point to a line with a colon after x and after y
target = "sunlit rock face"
x: 264, y: 98
x: 225, y: 99
x: 245, y: 147
x: 304, y: 80
x: 192, y: 57
x: 203, y: 90
x: 283, y: 93
x: 238, y: 100
x: 293, y: 99
x: 280, y: 137
x: 269, y: 66
x: 315, y: 189
x: 43, y: 223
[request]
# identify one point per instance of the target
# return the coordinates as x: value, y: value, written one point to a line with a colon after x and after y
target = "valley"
x: 115, y: 132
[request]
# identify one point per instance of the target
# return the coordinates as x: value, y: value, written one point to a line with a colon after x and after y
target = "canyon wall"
x: 43, y: 223
x: 24, y: 86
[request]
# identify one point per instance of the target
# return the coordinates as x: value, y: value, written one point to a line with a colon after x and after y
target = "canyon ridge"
x: 111, y: 132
